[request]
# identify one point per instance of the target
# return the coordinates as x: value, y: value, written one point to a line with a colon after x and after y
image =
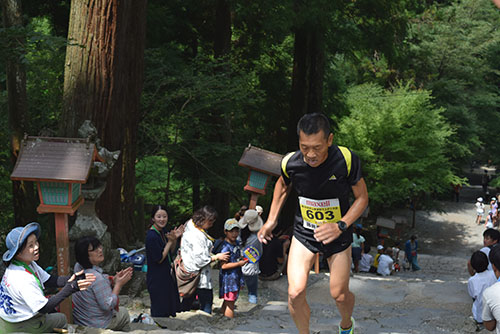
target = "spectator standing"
x: 250, y: 224
x: 485, y: 180
x: 479, y: 210
x: 195, y: 252
x: 230, y: 274
x: 481, y: 280
x: 161, y: 285
x: 491, y: 296
x: 358, y: 244
x: 98, y: 306
x: 411, y: 248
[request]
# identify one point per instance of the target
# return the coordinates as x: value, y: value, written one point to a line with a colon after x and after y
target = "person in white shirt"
x: 491, y: 237
x: 366, y: 260
x: 491, y: 296
x: 479, y: 282
x: 386, y: 263
x: 195, y: 251
x: 23, y: 305
x: 479, y: 210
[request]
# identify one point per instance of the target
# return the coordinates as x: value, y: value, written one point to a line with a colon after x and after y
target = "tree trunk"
x: 307, y: 77
x: 23, y: 195
x: 103, y: 82
x: 307, y: 91
x: 222, y: 38
x: 219, y: 197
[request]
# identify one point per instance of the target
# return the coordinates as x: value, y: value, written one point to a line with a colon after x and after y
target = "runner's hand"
x: 326, y: 233
x: 265, y: 233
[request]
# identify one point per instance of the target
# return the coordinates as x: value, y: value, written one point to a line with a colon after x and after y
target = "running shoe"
x: 349, y: 330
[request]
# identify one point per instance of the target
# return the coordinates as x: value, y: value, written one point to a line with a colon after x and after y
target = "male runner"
x: 323, y: 175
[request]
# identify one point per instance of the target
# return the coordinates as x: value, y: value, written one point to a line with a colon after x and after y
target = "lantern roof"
x: 54, y: 159
x: 261, y: 160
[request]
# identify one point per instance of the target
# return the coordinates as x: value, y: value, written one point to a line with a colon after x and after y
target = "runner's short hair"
x: 492, y: 233
x: 313, y: 123
x: 479, y: 261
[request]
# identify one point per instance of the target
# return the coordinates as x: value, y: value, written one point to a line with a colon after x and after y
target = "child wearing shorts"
x: 230, y: 274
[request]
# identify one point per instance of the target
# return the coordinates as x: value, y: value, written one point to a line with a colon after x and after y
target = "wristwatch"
x: 342, y: 225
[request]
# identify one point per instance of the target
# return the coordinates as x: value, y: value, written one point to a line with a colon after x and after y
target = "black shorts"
x: 306, y: 238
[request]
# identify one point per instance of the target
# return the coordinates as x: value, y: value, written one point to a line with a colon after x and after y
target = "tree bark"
x: 103, y: 82
x: 219, y: 197
x: 307, y: 77
x: 23, y: 195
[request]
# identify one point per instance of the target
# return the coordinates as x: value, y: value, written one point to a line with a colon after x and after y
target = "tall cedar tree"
x: 103, y: 82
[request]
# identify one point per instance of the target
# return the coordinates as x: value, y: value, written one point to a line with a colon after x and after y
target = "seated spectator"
x: 386, y: 263
x: 366, y: 260
x: 273, y: 259
x: 98, y: 306
x: 24, y: 307
x: 481, y: 280
x: 380, y: 251
x: 491, y: 296
x: 490, y: 239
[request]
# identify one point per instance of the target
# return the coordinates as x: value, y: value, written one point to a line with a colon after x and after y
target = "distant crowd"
x: 387, y: 260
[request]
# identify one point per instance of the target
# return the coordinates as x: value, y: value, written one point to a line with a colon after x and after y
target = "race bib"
x: 318, y: 212
x: 252, y: 254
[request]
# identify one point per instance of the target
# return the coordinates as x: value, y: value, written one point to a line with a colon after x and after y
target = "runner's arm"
x: 360, y: 203
x: 326, y: 233
x: 280, y: 194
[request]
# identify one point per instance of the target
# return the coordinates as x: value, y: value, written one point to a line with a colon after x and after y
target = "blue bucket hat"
x: 16, y: 237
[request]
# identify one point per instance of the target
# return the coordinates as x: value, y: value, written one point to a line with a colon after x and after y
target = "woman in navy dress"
x: 161, y: 286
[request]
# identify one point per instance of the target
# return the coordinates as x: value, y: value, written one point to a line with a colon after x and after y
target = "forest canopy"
x: 410, y: 86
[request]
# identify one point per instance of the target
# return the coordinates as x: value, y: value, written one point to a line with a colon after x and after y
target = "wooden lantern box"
x: 59, y: 166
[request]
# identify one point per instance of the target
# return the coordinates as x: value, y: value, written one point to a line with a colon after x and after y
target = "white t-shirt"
x: 365, y: 262
x: 385, y: 265
x: 486, y: 250
x: 195, y: 253
x: 476, y: 285
x: 20, y: 295
x: 479, y: 208
x: 491, y: 304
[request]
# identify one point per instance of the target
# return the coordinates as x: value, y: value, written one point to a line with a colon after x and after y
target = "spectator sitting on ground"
x: 490, y: 239
x: 98, y: 306
x: 274, y: 255
x: 491, y: 296
x: 386, y: 263
x: 380, y: 251
x: 366, y: 260
x: 479, y: 282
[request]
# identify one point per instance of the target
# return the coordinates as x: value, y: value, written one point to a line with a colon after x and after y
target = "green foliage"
x: 450, y: 48
x: 45, y: 55
x: 401, y: 139
x: 196, y: 119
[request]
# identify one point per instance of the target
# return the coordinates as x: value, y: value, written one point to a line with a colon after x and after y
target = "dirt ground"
x: 433, y: 300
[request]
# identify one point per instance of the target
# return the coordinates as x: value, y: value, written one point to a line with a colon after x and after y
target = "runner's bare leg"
x: 300, y: 261
x: 340, y: 266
